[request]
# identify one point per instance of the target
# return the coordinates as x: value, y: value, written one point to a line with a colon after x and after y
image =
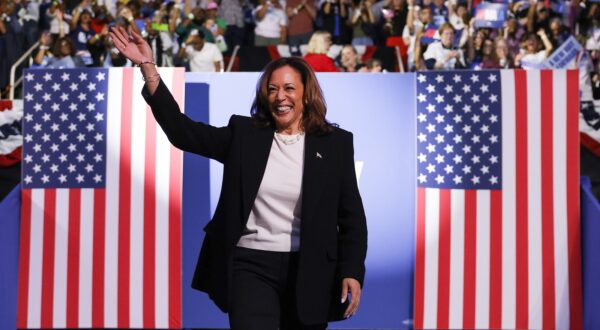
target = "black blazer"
x: 333, y: 232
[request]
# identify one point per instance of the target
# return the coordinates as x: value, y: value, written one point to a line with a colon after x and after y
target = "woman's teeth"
x: 284, y: 109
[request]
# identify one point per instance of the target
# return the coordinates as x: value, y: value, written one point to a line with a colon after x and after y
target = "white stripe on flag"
x: 163, y: 162
x: 61, y: 248
x: 34, y: 299
x: 534, y: 182
x: 561, y: 249
x: 111, y: 257
x: 432, y: 212
x: 482, y: 260
x: 509, y: 252
x: 86, y: 257
x: 457, y: 258
x: 136, y: 273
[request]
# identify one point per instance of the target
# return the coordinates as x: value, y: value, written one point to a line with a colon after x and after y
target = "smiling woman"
x: 287, y: 244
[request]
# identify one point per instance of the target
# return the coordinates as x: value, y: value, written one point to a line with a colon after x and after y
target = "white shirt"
x: 274, y: 222
x: 534, y: 61
x: 437, y: 51
x: 271, y: 23
x: 204, y: 59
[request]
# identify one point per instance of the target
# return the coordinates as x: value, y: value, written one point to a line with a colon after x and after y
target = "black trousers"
x: 263, y: 291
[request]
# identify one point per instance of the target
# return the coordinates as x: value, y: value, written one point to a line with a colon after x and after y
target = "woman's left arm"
x: 352, y: 224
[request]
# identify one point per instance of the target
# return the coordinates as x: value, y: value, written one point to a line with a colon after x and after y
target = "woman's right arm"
x: 182, y: 132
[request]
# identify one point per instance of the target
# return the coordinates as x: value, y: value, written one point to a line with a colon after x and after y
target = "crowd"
x: 439, y: 34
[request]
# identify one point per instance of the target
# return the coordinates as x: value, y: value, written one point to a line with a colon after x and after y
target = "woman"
x: 443, y: 55
x: 316, y: 55
x: 349, y: 60
x: 532, y: 56
x: 288, y: 237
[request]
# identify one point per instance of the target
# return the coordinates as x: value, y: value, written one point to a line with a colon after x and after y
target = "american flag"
x: 101, y: 203
x: 497, y: 231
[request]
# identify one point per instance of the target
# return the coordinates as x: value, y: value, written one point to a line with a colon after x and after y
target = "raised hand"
x: 131, y: 45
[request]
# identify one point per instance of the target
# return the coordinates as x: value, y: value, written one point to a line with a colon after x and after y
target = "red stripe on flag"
x: 175, y: 202
x: 73, y: 258
x: 470, y: 258
x: 24, y: 250
x: 573, y: 227
x: 443, y: 298
x: 48, y: 258
x: 98, y: 262
x: 521, y: 198
x: 496, y: 259
x: 125, y: 201
x: 420, y: 260
x: 547, y: 207
x: 149, y: 223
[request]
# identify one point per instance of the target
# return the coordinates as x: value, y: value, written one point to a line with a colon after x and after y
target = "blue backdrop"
x: 379, y: 110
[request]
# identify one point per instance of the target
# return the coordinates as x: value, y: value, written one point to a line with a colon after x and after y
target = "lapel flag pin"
x: 319, y: 155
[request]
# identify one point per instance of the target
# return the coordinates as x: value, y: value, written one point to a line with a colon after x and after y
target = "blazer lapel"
x: 315, y: 161
x: 255, y: 154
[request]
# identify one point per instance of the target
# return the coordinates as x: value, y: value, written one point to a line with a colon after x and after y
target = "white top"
x: 271, y: 23
x: 533, y: 61
x: 204, y: 60
x: 274, y: 222
x: 438, y: 52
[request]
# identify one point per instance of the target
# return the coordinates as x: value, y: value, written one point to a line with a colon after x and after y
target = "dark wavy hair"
x: 315, y: 108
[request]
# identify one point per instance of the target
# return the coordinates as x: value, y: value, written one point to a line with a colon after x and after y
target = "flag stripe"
x: 98, y: 258
x: 470, y: 258
x: 521, y: 193
x: 137, y: 211
x: 175, y: 216
x: 113, y: 194
x: 150, y: 222
x: 444, y: 258
x: 61, y: 256
x: 72, y: 276
x: 24, y: 266
x: 547, y: 187
x: 432, y: 212
x: 561, y: 250
x: 86, y: 257
x: 419, y: 301
x: 49, y: 218
x: 534, y: 230
x: 124, y: 207
x: 482, y: 260
x: 575, y: 290
x: 457, y: 257
x: 495, y: 259
x: 509, y: 204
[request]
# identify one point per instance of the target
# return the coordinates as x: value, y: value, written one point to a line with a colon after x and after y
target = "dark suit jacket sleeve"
x: 352, y: 249
x: 184, y: 133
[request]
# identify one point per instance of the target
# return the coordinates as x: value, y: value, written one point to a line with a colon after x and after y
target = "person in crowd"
x: 394, y: 15
x: 363, y: 23
x: 194, y: 22
x: 334, y: 17
x: 271, y: 23
x: 531, y: 55
x: 513, y: 33
x: 442, y: 55
x: 503, y: 55
x: 316, y: 55
x: 287, y: 243
x: 417, y: 21
x: 459, y: 17
x: 85, y: 38
x: 44, y: 51
x: 559, y: 32
x: 374, y: 65
x: 59, y: 20
x: 349, y: 60
x: 233, y: 14
x: 489, y: 60
x: 301, y: 16
x: 203, y: 56
x: 64, y: 55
